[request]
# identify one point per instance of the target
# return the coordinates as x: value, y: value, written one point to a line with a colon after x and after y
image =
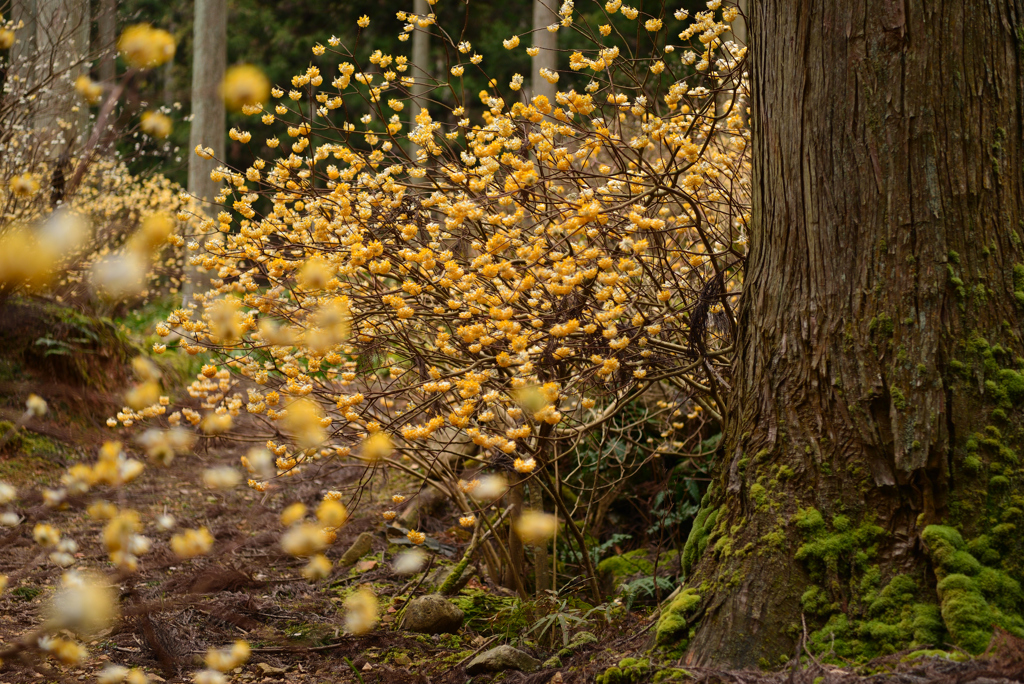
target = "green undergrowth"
x: 26, y: 442
x: 488, y: 613
x: 636, y: 577
x: 31, y: 457
x: 617, y: 568
x: 40, y: 339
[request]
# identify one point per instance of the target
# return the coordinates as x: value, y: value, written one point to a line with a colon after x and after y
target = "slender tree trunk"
x: 106, y: 31
x: 420, y: 62
x: 167, y: 97
x: 545, y: 12
x: 209, y: 62
x: 515, y: 571
x: 23, y: 12
x: 62, y: 42
x: 541, y: 560
x: 874, y: 426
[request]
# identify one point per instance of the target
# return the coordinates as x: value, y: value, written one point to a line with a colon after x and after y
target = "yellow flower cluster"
x: 145, y: 47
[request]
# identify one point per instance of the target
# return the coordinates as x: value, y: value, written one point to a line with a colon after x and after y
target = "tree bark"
x: 106, y: 32
x: 209, y: 62
x: 420, y: 63
x: 545, y: 12
x: 879, y: 343
x: 62, y: 42
x: 23, y: 12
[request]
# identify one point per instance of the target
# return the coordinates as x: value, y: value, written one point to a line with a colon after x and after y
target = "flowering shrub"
x: 483, y: 283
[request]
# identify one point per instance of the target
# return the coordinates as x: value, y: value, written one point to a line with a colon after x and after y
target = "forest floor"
x: 247, y: 588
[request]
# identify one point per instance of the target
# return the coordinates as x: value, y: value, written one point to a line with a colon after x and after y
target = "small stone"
x: 432, y: 614
x: 501, y: 659
x: 360, y: 547
x: 269, y: 669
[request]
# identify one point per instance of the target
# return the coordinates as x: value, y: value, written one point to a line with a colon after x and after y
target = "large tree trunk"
x: 876, y: 389
x: 209, y: 62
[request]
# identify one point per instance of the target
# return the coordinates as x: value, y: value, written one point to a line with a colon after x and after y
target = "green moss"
x: 965, y: 613
x: 1013, y: 384
x: 957, y: 656
x: 773, y: 540
x: 809, y: 521
x: 881, y: 324
x: 628, y: 671
x: 982, y: 549
x: 617, y: 568
x: 942, y: 543
x: 972, y: 597
x: 26, y: 593
x: 489, y: 613
x: 815, y: 601
x: 961, y: 562
x: 892, y: 623
x: 580, y: 640
x: 863, y: 618
x: 697, y: 542
x: 672, y: 674
x: 1000, y: 590
x: 31, y: 458
x: 927, y: 625
x: 759, y: 494
x: 899, y: 400
x: 823, y: 551
x: 1018, y: 277
x: 673, y: 625
x: 29, y: 443
x: 999, y: 482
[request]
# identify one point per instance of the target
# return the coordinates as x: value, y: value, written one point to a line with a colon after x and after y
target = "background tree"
x: 547, y: 41
x: 59, y: 28
x: 874, y: 424
x: 421, y: 59
x: 106, y: 32
x: 209, y: 61
x: 546, y: 58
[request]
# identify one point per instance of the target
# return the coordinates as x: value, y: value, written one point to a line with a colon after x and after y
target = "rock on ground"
x: 432, y: 614
x: 360, y: 547
x: 501, y: 659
